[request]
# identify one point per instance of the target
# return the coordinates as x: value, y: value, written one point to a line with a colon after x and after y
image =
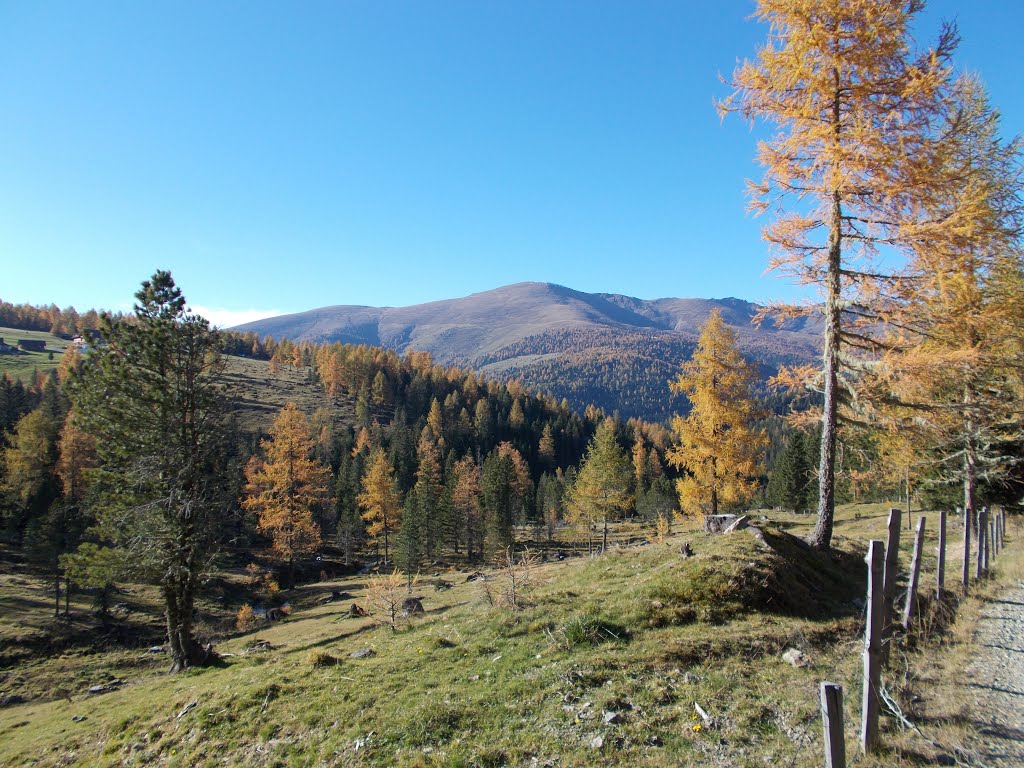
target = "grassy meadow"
x: 23, y: 365
x: 601, y: 665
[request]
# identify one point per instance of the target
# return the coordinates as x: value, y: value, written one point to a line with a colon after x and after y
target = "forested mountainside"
x: 617, y: 352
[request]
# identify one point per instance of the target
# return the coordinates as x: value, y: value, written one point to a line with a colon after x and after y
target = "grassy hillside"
x: 24, y: 364
x: 257, y: 393
x: 601, y: 667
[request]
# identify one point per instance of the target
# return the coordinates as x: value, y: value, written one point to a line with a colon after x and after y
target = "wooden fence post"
x: 915, y: 572
x: 979, y: 568
x: 941, y: 567
x: 872, y: 650
x: 892, y: 554
x: 967, y: 550
x: 832, y: 718
x: 993, y: 544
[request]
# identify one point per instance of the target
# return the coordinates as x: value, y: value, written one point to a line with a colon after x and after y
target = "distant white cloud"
x: 229, y: 318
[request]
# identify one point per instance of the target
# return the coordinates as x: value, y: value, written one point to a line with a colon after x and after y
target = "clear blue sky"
x: 280, y: 156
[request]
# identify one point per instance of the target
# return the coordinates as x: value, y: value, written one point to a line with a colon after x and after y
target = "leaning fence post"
x: 832, y: 718
x: 892, y: 554
x: 915, y: 572
x: 967, y: 549
x: 872, y: 650
x: 941, y: 566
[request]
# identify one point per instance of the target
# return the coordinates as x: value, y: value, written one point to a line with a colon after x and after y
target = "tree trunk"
x: 184, y: 650
x: 909, y: 527
x: 822, y: 536
x: 714, y: 488
x: 604, y: 536
x: 970, y: 464
x: 56, y: 595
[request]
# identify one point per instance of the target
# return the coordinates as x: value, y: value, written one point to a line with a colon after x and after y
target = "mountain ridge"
x: 552, y: 335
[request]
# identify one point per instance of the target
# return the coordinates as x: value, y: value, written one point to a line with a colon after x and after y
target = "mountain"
x: 616, y: 351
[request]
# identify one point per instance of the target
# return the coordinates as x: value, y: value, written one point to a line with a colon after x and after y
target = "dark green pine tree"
x: 351, y: 530
x: 789, y: 484
x: 410, y: 536
x: 14, y: 402
x: 498, y: 499
x: 151, y: 397
x: 429, y: 491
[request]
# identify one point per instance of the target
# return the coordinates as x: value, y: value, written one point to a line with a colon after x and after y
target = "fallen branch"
x: 962, y: 757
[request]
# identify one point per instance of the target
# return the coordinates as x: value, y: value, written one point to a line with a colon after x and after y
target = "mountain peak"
x: 557, y: 338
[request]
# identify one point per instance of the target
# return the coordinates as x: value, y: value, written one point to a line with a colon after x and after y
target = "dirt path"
x: 996, y: 680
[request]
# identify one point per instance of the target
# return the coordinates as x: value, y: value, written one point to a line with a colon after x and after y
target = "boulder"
x: 412, y: 605
x: 796, y: 657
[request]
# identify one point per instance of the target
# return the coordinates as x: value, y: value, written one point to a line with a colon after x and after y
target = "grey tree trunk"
x: 822, y: 536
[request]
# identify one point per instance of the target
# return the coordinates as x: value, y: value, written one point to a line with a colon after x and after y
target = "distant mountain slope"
x: 616, y: 351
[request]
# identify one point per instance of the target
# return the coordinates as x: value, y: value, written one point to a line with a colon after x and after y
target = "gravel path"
x: 997, y: 680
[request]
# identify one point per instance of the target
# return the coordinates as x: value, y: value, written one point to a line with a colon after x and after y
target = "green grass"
x: 640, y: 633
x: 23, y: 365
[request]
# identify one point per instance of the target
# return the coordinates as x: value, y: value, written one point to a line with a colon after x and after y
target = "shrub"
x: 589, y: 629
x: 245, y: 619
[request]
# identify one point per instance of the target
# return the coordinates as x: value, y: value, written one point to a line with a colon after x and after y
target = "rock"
x: 686, y: 551
x: 442, y: 585
x: 105, y: 687
x: 155, y: 649
x: 717, y: 523
x: 187, y: 708
x: 78, y: 718
x: 657, y: 604
x: 356, y: 611
x: 612, y: 718
x: 477, y: 576
x: 363, y: 653
x: 10, y: 701
x: 796, y: 657
x: 597, y: 742
x: 412, y: 605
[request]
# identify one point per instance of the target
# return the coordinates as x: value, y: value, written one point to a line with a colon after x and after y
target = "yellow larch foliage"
x: 284, y: 488
x: 857, y: 113
x: 717, y: 446
x: 380, y: 501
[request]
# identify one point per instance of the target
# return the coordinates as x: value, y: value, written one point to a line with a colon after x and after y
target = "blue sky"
x: 279, y: 157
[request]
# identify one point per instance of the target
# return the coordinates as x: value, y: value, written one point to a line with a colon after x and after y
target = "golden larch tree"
x: 380, y: 501
x: 954, y: 346
x: 546, y: 446
x: 857, y: 116
x: 465, y: 506
x: 717, y: 447
x: 285, y: 488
